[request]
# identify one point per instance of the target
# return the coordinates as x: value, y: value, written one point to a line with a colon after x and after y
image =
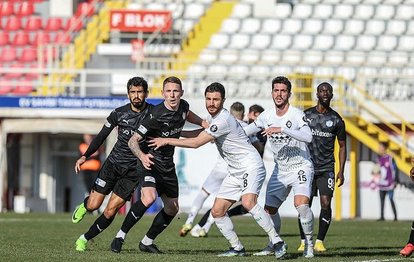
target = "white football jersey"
x: 231, y: 141
x: 288, y: 153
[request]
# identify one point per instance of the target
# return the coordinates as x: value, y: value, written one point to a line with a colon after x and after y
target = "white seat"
x: 281, y: 41
x: 333, y: 27
x: 176, y: 10
x: 238, y: 71
x: 344, y: 42
x: 347, y: 72
x: 386, y: 43
x: 374, y: 27
x: 242, y: 10
x: 354, y: 27
x: 155, y: 6
x: 219, y: 41
x: 302, y: 42
x: 410, y: 28
x: 260, y: 70
x: 292, y: 57
x: 313, y: 57
x: 249, y: 57
x: 260, y: 41
x: 229, y: 56
x: 334, y: 57
x: 239, y: 41
x: 355, y: 57
x: 292, y: 26
x: 250, y: 26
x: 323, y: 42
x: 269, y: 56
x: 365, y: 42
x: 376, y: 58
x: 384, y: 12
x: 398, y: 59
x: 363, y: 11
x: 302, y: 11
x: 405, y: 43
x: 395, y: 27
x: 343, y: 11
x: 230, y: 25
x: 197, y: 69
x: 271, y: 26
x: 312, y: 26
x: 194, y: 11
x: 405, y: 12
x: 322, y: 11
x: 283, y: 10
x: 217, y: 69
x: 207, y: 56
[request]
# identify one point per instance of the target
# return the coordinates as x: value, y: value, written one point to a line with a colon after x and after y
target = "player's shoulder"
x: 124, y: 108
x: 295, y: 110
x: 310, y: 110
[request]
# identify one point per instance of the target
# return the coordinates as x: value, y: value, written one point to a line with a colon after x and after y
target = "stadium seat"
x: 302, y: 42
x: 33, y: 23
x: 343, y: 11
x: 323, y: 42
x: 312, y: 57
x: 292, y: 57
x: 6, y: 8
x: 250, y: 26
x: 292, y: 26
x: 395, y: 27
x: 242, y: 10
x: 74, y: 24
x: 207, y: 56
x: 260, y: 41
x: 62, y: 38
x: 53, y: 24
x: 13, y: 23
x: 84, y: 9
x: 29, y: 54
x: 155, y: 6
x: 363, y: 11
x: 25, y: 8
x: 17, y: 66
x: 376, y: 58
x: 344, y: 42
x: 399, y: 59
x: 386, y: 43
x: 355, y: 57
x: 374, y: 27
x: 41, y: 38
x: 271, y: 26
x: 249, y: 57
x: 230, y: 25
x: 365, y: 43
x: 281, y: 42
x: 283, y: 10
x: 269, y: 56
x: 302, y: 11
x: 239, y: 41
x: 4, y: 38
x: 21, y: 38
x: 334, y: 57
x: 23, y: 88
x: 219, y: 41
x: 322, y: 11
x: 405, y: 43
x: 384, y: 12
x: 404, y: 12
x: 5, y: 87
x: 229, y: 56
x: 193, y: 11
x: 312, y: 26
x: 354, y: 27
x: 333, y: 27
x: 8, y: 54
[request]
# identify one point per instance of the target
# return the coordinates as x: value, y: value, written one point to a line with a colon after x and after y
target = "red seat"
x: 8, y: 54
x: 62, y: 38
x: 34, y: 23
x: 6, y: 8
x: 17, y: 73
x: 21, y: 39
x: 41, y: 38
x: 25, y: 9
x: 29, y: 54
x: 85, y: 9
x: 33, y: 74
x: 24, y: 87
x: 4, y: 38
x: 53, y: 24
x: 50, y: 53
x: 13, y: 23
x: 74, y: 24
x: 5, y: 87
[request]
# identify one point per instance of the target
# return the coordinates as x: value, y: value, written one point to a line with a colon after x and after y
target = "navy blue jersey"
x: 162, y: 122
x: 325, y: 128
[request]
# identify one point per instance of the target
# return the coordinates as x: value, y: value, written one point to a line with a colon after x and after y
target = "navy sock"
x: 100, y: 224
x: 161, y: 221
x: 137, y: 210
x: 325, y: 218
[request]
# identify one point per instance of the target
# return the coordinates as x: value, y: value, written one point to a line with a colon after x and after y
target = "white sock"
x: 120, y: 234
x: 264, y: 221
x: 209, y: 223
x: 83, y: 237
x: 276, y: 222
x: 306, y: 220
x: 197, y: 204
x: 147, y: 241
x: 225, y: 226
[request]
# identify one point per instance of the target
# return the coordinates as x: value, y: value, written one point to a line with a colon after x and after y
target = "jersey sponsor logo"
x: 172, y: 132
x: 142, y: 129
x: 213, y: 128
x: 329, y: 123
x: 289, y: 124
x: 100, y: 182
x: 316, y: 132
x: 307, y: 120
x: 149, y: 179
x: 107, y: 124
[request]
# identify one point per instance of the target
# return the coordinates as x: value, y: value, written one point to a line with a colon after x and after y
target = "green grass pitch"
x: 46, y: 237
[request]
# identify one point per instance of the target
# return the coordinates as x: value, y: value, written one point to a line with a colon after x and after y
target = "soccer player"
x: 156, y: 167
x: 118, y: 173
x: 246, y: 171
x: 254, y: 111
x: 288, y: 134
x: 408, y: 250
x: 326, y: 125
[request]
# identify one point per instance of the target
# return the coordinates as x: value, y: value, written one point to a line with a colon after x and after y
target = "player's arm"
x: 340, y: 179
x: 191, y: 133
x: 133, y: 144
x: 195, y: 119
x: 94, y: 146
x: 195, y: 142
x: 252, y: 128
x: 303, y: 134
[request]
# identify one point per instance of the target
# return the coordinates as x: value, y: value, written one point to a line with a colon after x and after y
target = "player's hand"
x: 271, y: 130
x: 78, y: 164
x: 340, y: 179
x: 205, y: 124
x: 146, y: 160
x: 412, y: 174
x: 157, y: 142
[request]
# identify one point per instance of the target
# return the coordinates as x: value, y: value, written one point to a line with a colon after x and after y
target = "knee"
x: 93, y: 204
x: 171, y: 210
x: 148, y: 199
x: 110, y: 212
x: 326, y: 204
x: 217, y: 212
x: 248, y: 204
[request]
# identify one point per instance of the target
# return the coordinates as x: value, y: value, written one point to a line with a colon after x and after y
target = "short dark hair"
x: 174, y: 80
x: 325, y: 84
x: 237, y: 107
x: 137, y: 81
x: 216, y: 87
x: 282, y: 80
x: 256, y: 108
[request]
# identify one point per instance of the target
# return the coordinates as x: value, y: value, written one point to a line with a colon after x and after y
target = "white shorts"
x: 244, y: 182
x: 280, y: 184
x: 215, y: 178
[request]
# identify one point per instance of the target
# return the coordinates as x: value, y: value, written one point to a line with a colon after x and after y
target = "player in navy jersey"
x: 156, y: 167
x: 326, y: 125
x: 118, y: 173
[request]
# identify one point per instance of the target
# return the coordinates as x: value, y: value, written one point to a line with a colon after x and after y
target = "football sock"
x: 237, y: 210
x: 264, y: 221
x: 302, y: 235
x: 225, y: 226
x: 204, y: 219
x: 276, y: 222
x: 135, y: 213
x: 197, y: 204
x: 306, y: 220
x: 411, y: 239
x: 209, y: 223
x: 161, y: 221
x: 147, y: 241
x: 324, y: 222
x: 100, y: 224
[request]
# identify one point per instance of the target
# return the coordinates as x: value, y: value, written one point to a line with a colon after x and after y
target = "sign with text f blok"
x: 141, y: 20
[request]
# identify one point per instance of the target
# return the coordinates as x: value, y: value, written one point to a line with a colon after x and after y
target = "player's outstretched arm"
x: 195, y: 119
x: 191, y: 133
x: 340, y: 179
x: 145, y: 159
x: 195, y: 142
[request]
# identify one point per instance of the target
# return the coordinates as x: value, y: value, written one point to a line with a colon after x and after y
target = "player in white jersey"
x: 246, y: 171
x: 288, y: 133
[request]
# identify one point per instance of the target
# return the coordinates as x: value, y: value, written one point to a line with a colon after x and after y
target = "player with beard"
x: 118, y: 173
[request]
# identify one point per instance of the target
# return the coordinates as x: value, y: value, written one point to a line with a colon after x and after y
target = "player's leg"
x: 409, y: 248
x: 237, y: 210
x: 90, y: 204
x: 315, y: 186
x: 199, y: 230
x: 391, y: 198
x: 382, y: 203
x: 195, y: 208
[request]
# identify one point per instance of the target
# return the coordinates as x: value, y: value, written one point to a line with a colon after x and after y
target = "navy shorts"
x: 166, y: 183
x: 324, y: 182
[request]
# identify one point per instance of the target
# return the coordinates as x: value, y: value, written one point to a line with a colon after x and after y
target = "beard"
x: 137, y: 104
